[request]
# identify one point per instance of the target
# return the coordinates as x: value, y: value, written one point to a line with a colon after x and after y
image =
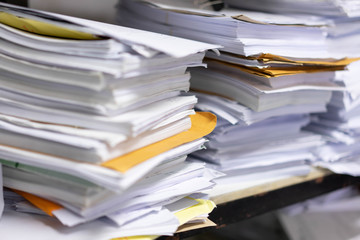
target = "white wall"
x: 100, y: 10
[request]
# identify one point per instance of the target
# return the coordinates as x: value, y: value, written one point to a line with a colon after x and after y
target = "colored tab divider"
x: 202, y: 123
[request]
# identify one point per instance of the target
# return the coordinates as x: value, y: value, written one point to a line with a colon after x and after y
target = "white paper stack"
x: 348, y: 8
x: 341, y: 17
x: 252, y: 147
x: 93, y: 122
x: 273, y: 72
x: 266, y: 87
x: 238, y: 31
x: 340, y: 124
x: 272, y: 62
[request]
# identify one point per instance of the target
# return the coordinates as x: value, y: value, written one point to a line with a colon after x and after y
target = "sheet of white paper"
x: 350, y: 168
x: 123, y: 217
x: 181, y: 205
x: 226, y: 185
x: 162, y: 222
x: 160, y: 42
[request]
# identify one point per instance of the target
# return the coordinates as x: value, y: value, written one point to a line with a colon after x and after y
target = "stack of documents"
x: 238, y: 31
x: 325, y: 29
x: 95, y: 128
x: 340, y: 124
x: 321, y: 7
x: 268, y: 61
x: 267, y: 81
x: 273, y: 72
x: 251, y: 147
x: 341, y: 19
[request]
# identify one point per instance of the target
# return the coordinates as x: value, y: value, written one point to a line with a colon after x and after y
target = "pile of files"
x: 272, y: 74
x: 337, y: 8
x: 238, y: 31
x: 95, y: 129
x: 340, y: 124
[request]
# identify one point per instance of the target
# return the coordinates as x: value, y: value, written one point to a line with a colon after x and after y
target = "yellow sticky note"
x: 43, y: 28
x: 203, y: 207
x: 202, y: 123
x: 136, y: 238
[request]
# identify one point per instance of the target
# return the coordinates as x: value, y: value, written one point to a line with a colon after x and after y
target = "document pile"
x: 94, y: 127
x: 253, y: 147
x: 273, y: 72
x: 238, y: 31
x: 334, y: 8
x: 340, y: 124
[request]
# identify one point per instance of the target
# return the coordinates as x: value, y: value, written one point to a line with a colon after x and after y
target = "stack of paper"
x: 303, y: 32
x: 259, y: 43
x: 341, y: 18
x: 321, y: 7
x: 340, y: 124
x: 273, y: 72
x: 252, y: 147
x: 94, y: 126
x: 239, y: 31
x: 270, y: 82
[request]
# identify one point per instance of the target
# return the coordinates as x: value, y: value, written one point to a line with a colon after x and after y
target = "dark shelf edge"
x: 23, y: 3
x: 246, y: 208
x: 249, y: 207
